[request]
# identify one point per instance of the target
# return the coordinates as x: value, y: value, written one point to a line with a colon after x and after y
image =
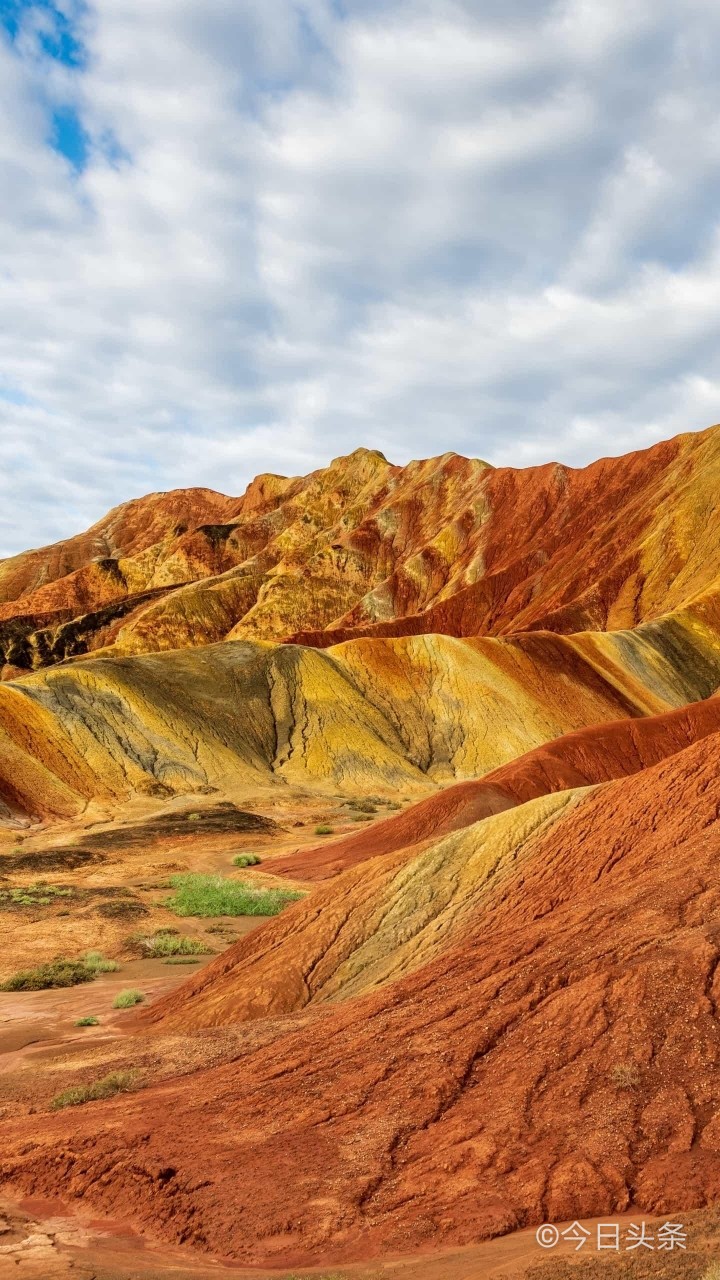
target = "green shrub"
x: 246, y: 860
x: 173, y: 944
x: 213, y: 895
x: 58, y: 973
x: 323, y: 830
x: 61, y: 973
x: 115, y: 1082
x: 126, y: 999
x: 89, y: 1021
x: 625, y: 1075
x: 365, y: 806
x: 361, y: 817
x: 182, y: 960
x: 33, y: 895
x: 97, y: 963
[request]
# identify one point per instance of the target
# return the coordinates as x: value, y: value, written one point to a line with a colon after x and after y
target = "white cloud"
x: 425, y: 225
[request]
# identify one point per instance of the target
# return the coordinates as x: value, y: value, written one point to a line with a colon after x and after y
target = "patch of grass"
x: 57, y: 973
x: 625, y: 1075
x: 193, y: 817
x: 246, y: 860
x: 365, y: 806
x: 89, y: 1021
x: 96, y: 962
x: 115, y: 1082
x: 361, y: 817
x: 33, y: 895
x: 182, y: 960
x: 126, y: 999
x: 203, y: 895
x: 163, y: 944
x: 324, y: 830
x: 61, y: 973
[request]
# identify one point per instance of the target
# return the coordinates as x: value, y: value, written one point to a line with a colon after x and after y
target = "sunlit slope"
x: 416, y: 711
x: 451, y: 545
x: 81, y: 570
x: 606, y: 547
x: 445, y: 544
x: 377, y: 922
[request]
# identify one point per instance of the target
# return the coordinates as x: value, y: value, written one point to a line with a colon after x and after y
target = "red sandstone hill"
x: 448, y: 545
x: 558, y: 1057
x: 498, y: 1007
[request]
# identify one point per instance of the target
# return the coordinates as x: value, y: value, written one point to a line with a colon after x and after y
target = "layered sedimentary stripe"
x: 598, y: 753
x: 415, y: 712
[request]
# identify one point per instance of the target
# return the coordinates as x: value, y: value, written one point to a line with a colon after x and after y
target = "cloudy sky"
x: 247, y: 235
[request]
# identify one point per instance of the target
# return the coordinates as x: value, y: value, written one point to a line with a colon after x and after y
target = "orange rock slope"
x: 449, y: 544
x: 558, y: 1055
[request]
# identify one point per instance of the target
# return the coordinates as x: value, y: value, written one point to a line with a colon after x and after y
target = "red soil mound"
x: 599, y: 753
x: 561, y: 1060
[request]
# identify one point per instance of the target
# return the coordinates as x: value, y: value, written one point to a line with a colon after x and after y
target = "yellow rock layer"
x: 414, y: 712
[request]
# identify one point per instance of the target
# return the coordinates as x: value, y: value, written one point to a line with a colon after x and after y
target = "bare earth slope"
x: 560, y: 1059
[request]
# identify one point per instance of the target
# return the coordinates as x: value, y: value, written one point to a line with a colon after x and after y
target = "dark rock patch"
x: 124, y: 909
x: 50, y: 860
x: 224, y: 817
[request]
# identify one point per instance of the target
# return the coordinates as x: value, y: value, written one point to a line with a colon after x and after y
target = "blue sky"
x: 250, y: 235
